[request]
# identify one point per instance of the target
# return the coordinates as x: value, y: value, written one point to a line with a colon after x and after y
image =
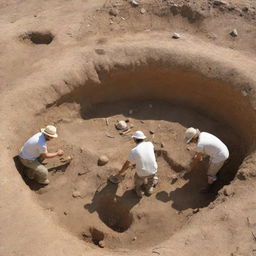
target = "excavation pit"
x: 163, y: 104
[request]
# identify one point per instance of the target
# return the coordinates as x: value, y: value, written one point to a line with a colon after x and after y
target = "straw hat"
x: 190, y: 134
x: 50, y: 130
x: 139, y: 135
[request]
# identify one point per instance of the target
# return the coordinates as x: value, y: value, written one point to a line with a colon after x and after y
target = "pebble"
x: 101, y: 244
x: 76, y: 194
x: 65, y: 213
x: 103, y: 160
x: 228, y: 191
x: 151, y: 132
x: 114, y: 12
x: 234, y: 33
x: 134, y: 3
x: 142, y: 11
x: 121, y: 125
x: 196, y: 210
x: 176, y: 36
x: 162, y: 145
x: 219, y: 2
x: 134, y: 238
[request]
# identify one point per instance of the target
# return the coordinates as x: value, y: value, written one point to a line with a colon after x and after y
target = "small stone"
x: 134, y: 238
x: 121, y: 125
x: 65, y: 213
x: 101, y: 244
x: 114, y: 12
x: 176, y: 36
x: 130, y: 112
x: 134, y: 3
x: 234, y: 33
x: 103, y: 160
x: 100, y: 51
x: 245, y: 9
x: 131, y: 125
x: 111, y: 22
x: 196, y: 210
x: 76, y: 194
x: 162, y: 145
x: 244, y: 92
x: 142, y: 11
x: 151, y: 132
x: 228, y: 191
x: 219, y: 3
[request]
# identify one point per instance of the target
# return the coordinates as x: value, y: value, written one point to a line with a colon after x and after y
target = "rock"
x: 131, y: 125
x: 196, y: 210
x: 176, y: 36
x: 134, y: 238
x: 219, y: 3
x: 100, y: 51
x: 245, y: 9
x: 228, y: 191
x: 151, y: 132
x: 101, y: 244
x: 234, y: 33
x: 76, y: 194
x: 113, y: 12
x: 134, y: 3
x: 121, y: 125
x: 142, y: 11
x: 162, y: 145
x: 103, y: 160
x: 65, y: 213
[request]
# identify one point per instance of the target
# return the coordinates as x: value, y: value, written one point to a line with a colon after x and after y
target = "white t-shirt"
x: 144, y: 157
x: 34, y: 147
x: 212, y: 146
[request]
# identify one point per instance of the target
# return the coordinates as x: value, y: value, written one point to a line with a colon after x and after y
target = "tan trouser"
x: 36, y: 170
x: 213, y: 170
x: 150, y: 181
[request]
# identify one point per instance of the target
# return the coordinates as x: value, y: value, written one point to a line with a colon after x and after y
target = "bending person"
x: 34, y: 150
x: 207, y: 144
x: 143, y: 157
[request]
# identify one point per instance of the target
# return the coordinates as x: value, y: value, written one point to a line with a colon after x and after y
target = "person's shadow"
x: 189, y: 196
x: 33, y: 185
x: 113, y: 210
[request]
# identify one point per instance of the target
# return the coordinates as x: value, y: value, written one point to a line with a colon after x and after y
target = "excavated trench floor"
x: 111, y: 216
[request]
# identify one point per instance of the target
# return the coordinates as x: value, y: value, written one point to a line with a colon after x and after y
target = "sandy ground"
x: 83, y: 65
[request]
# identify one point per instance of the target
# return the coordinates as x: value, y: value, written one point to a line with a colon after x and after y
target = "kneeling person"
x: 143, y: 157
x: 207, y: 144
x: 34, y: 149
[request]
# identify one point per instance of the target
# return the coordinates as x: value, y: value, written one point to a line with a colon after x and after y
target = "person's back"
x: 34, y: 147
x: 144, y: 157
x: 213, y: 147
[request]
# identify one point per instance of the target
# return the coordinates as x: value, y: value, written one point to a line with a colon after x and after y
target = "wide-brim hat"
x: 139, y: 135
x: 190, y: 134
x: 50, y: 130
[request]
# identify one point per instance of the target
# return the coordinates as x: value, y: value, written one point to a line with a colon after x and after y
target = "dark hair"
x: 138, y: 140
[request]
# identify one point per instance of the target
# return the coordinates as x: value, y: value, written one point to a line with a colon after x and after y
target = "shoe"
x: 45, y: 182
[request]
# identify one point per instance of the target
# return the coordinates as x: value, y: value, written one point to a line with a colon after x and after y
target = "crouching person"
x: 143, y: 157
x: 34, y: 150
x: 209, y: 145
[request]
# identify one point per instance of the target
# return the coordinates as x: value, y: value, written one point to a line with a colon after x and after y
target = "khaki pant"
x: 36, y: 170
x: 151, y: 181
x: 213, y: 170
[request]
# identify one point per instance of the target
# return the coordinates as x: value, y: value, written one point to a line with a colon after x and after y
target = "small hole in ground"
x: 38, y: 37
x: 114, y: 214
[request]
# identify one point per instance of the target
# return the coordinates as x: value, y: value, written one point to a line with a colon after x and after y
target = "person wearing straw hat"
x: 210, y: 145
x: 143, y: 157
x: 34, y: 149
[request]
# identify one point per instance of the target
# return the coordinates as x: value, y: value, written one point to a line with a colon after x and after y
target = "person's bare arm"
x: 51, y: 155
x: 197, y: 158
x: 124, y: 167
